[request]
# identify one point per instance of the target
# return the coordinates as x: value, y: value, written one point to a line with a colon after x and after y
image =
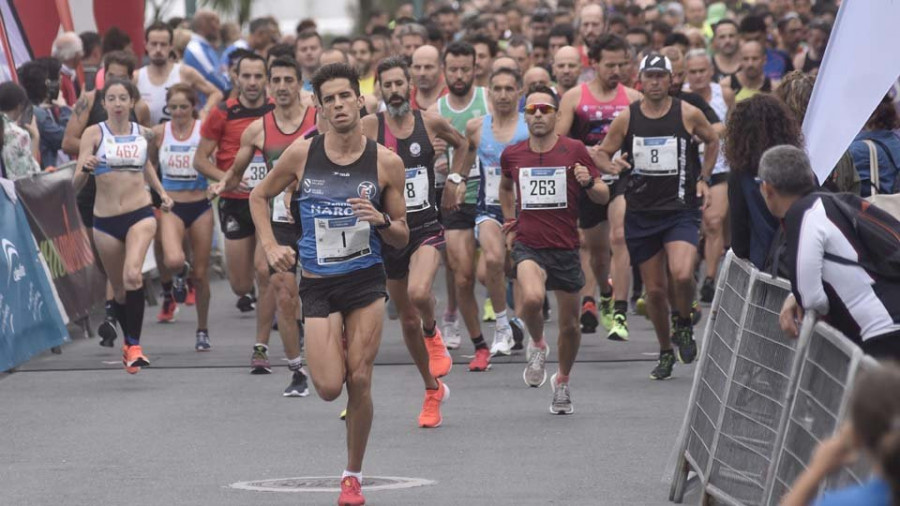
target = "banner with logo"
x: 30, y: 321
x: 53, y: 215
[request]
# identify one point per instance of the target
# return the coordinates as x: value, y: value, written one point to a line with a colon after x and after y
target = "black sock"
x: 134, y: 314
x: 430, y: 332
x: 167, y: 288
x: 479, y: 343
x: 110, y: 310
x: 119, y: 312
x: 620, y: 306
x: 683, y: 322
x: 588, y: 298
x: 607, y: 295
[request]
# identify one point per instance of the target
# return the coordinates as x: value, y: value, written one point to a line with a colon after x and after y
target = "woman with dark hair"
x: 40, y: 78
x: 115, y: 152
x: 753, y: 126
x: 878, y: 139
x: 16, y: 157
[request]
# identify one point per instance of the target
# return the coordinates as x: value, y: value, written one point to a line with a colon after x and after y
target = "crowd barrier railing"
x: 743, y: 433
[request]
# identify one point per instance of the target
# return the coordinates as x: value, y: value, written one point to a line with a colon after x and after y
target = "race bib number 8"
x: 255, y: 172
x: 416, y: 189
x: 655, y: 156
x: 128, y: 152
x: 543, y: 188
x: 178, y: 162
x: 341, y: 239
x: 492, y: 186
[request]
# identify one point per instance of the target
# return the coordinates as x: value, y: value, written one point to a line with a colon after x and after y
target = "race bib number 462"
x: 543, y: 188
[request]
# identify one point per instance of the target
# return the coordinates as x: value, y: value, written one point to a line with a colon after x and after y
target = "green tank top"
x: 477, y: 107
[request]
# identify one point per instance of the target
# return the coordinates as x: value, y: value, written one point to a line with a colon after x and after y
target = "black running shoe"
x: 179, y: 284
x: 696, y: 313
x: 685, y: 346
x: 246, y: 304
x: 299, y: 386
x: 546, y: 310
x: 708, y: 290
x: 518, y: 334
x: 663, y: 369
x: 107, y: 332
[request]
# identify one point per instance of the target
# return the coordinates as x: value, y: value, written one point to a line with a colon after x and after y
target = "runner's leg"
x: 363, y: 339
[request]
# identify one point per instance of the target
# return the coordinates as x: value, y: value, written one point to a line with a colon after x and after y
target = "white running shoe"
x: 450, y: 333
x: 503, y: 341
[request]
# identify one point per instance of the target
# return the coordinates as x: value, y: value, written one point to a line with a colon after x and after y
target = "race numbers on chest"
x: 492, y: 186
x: 126, y: 152
x: 178, y: 162
x: 416, y: 189
x: 543, y: 188
x: 255, y: 172
x: 655, y: 156
x: 280, y: 208
x: 341, y: 239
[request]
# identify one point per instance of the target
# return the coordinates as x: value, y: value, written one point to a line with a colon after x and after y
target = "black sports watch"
x: 589, y: 183
x: 707, y: 180
x: 387, y: 222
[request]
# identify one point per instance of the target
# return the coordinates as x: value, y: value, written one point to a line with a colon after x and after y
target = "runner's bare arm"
x: 190, y: 76
x: 287, y: 170
x: 633, y: 94
x: 566, y: 115
x: 370, y: 126
x: 508, y: 197
x: 86, y: 159
x: 444, y: 130
x: 153, y: 147
x: 203, y: 159
x: 391, y: 178
x: 150, y: 175
x: 142, y: 113
x: 596, y: 190
x: 250, y: 142
x: 77, y: 123
x: 603, y: 154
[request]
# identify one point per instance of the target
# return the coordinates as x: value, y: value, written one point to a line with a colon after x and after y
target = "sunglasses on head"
x: 543, y: 108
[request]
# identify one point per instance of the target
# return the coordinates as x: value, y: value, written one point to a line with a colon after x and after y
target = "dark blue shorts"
x: 188, y: 212
x: 118, y: 226
x: 647, y: 232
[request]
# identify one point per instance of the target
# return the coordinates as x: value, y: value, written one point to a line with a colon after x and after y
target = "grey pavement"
x: 78, y: 430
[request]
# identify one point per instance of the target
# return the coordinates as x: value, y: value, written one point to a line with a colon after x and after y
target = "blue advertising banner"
x: 29, y: 318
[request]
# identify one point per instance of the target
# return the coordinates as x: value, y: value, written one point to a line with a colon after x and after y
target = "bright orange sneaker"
x: 191, y: 295
x: 351, y: 493
x: 167, y: 311
x: 430, y: 417
x: 439, y: 360
x: 481, y: 361
x: 133, y: 358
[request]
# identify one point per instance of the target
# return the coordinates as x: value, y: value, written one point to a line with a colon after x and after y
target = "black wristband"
x: 387, y: 222
x: 589, y: 184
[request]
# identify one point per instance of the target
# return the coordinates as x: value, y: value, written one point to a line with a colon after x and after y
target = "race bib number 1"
x: 543, y: 188
x: 416, y: 189
x: 255, y: 172
x: 341, y: 239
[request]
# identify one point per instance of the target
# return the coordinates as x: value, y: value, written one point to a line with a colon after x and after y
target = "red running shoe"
x: 430, y: 417
x: 481, y: 361
x: 167, y: 311
x: 439, y: 360
x: 351, y: 493
x: 191, y: 295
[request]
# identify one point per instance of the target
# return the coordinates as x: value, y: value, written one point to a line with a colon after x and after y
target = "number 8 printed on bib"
x: 341, y: 239
x: 416, y: 189
x: 655, y: 156
x: 543, y: 188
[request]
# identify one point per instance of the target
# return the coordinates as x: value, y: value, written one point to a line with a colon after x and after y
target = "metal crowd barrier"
x: 760, y: 401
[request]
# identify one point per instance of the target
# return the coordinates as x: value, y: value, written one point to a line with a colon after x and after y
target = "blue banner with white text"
x: 29, y: 317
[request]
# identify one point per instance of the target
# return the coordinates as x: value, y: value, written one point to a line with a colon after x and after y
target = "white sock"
x: 502, y: 320
x: 295, y: 364
x: 346, y: 473
x: 264, y: 346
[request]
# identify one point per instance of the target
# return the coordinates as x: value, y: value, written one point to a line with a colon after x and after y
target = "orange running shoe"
x: 133, y: 358
x: 351, y: 493
x: 481, y: 361
x: 430, y: 417
x: 167, y: 311
x: 191, y: 295
x: 439, y: 360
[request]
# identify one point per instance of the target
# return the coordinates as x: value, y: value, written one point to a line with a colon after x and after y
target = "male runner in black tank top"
x: 665, y: 190
x: 411, y: 270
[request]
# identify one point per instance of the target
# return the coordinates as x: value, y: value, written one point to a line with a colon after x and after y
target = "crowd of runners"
x: 524, y: 148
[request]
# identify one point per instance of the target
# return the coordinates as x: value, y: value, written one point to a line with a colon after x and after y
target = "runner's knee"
x: 328, y: 391
x: 174, y: 260
x: 132, y: 278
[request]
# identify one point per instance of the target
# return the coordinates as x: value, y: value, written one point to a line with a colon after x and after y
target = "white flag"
x: 861, y: 63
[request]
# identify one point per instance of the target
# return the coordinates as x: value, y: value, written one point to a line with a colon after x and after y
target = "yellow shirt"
x: 367, y: 85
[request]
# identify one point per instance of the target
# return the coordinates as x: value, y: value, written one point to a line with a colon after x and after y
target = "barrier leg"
x: 676, y: 491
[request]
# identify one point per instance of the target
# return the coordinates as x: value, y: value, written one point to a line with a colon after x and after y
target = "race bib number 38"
x: 416, y: 190
x: 543, y: 188
x: 255, y: 172
x: 655, y: 156
x: 341, y: 239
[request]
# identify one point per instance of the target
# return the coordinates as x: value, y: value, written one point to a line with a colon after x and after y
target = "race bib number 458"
x: 543, y: 188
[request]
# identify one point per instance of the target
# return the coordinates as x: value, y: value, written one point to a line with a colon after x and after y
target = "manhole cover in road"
x: 329, y: 484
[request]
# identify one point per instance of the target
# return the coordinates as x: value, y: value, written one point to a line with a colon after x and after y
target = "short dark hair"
x: 677, y: 39
x: 366, y: 40
x: 445, y: 9
x: 459, y: 48
x: 617, y: 19
x: 90, y: 40
x: 239, y: 54
x: 175, y: 21
x: 519, y: 40
x: 541, y: 88
x: 279, y: 50
x: 249, y: 57
x: 126, y: 83
x: 723, y: 22
x: 542, y: 16
x: 285, y: 62
x: 606, y: 42
x: 480, y: 38
x: 660, y: 26
x: 114, y: 40
x: 12, y: 95
x: 542, y: 42
x: 33, y: 78
x: 158, y: 26
x: 53, y: 66
x: 752, y: 24
x: 259, y: 24
x: 334, y: 71
x: 340, y: 40
x: 563, y: 30
x: 308, y: 34
x: 305, y: 25
x: 392, y: 62
x: 638, y: 30
x: 508, y: 72
x: 120, y: 58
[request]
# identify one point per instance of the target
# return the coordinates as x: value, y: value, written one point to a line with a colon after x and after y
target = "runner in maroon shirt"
x: 549, y: 172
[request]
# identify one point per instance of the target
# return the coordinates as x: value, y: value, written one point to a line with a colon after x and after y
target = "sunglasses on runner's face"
x: 543, y: 108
